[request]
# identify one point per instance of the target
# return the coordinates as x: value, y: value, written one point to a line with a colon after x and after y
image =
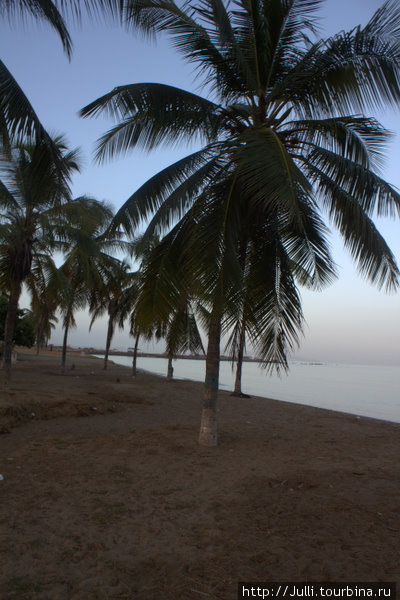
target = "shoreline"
x: 122, y: 503
x: 328, y: 377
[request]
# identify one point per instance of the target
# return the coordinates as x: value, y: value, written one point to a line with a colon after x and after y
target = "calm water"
x: 372, y: 391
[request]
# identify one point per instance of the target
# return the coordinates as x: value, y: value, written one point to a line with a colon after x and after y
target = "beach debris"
x: 33, y: 414
x: 94, y: 407
x: 10, y: 458
x: 201, y: 593
x: 1, y: 477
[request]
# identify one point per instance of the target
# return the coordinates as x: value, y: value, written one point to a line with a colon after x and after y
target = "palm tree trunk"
x: 110, y: 332
x: 39, y: 335
x: 208, y: 426
x: 64, y: 348
x: 9, y: 328
x: 239, y: 365
x: 170, y: 370
x: 135, y: 356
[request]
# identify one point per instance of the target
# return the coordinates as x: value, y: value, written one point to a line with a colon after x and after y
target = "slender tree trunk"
x: 239, y: 365
x: 9, y: 328
x: 135, y: 356
x: 110, y: 332
x: 208, y: 426
x: 39, y: 335
x: 64, y: 348
x: 170, y: 369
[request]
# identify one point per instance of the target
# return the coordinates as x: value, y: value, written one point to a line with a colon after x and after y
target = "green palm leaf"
x: 152, y: 114
x: 18, y: 119
x: 41, y: 10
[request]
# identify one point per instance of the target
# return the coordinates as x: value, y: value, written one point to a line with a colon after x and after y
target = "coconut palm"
x: 34, y: 200
x: 284, y: 139
x: 138, y: 329
x: 44, y: 286
x: 73, y: 297
x: 88, y: 261
x: 159, y: 314
x: 182, y: 333
x: 116, y: 297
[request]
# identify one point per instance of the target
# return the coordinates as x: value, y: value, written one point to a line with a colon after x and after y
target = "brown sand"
x: 126, y: 504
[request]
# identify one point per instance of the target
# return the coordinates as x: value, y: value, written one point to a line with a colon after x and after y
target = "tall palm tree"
x: 165, y: 311
x: 34, y: 201
x: 284, y: 139
x: 116, y: 297
x: 182, y: 333
x: 44, y: 286
x: 88, y: 262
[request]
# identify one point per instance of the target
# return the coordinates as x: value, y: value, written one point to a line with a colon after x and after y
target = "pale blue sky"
x: 349, y: 322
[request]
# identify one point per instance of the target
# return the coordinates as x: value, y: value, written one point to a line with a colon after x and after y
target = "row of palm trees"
x: 285, y: 141
x: 39, y: 218
x: 234, y: 228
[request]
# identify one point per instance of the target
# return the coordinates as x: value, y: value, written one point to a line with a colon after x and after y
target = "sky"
x: 350, y: 322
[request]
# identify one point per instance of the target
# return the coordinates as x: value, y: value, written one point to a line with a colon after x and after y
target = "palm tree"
x: 138, y: 329
x: 44, y: 286
x: 116, y: 297
x: 34, y: 200
x: 182, y: 333
x: 284, y: 139
x: 88, y: 261
x: 159, y: 315
x: 73, y: 297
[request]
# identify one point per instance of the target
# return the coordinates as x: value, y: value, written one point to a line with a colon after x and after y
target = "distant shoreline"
x: 147, y: 354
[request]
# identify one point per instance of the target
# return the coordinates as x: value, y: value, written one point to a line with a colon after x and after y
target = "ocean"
x: 365, y: 390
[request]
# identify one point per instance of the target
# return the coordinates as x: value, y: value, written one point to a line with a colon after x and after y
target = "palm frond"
x: 186, y: 175
x: 152, y: 114
x: 332, y: 171
x: 356, y: 138
x: 18, y: 120
x: 40, y: 10
x: 192, y: 38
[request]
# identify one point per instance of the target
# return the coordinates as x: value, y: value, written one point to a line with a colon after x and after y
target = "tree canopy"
x: 24, y: 333
x: 286, y: 142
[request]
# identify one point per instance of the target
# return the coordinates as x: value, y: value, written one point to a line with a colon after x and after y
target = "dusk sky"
x: 349, y: 322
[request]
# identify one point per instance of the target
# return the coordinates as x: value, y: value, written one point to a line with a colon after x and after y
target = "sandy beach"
x: 108, y: 496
